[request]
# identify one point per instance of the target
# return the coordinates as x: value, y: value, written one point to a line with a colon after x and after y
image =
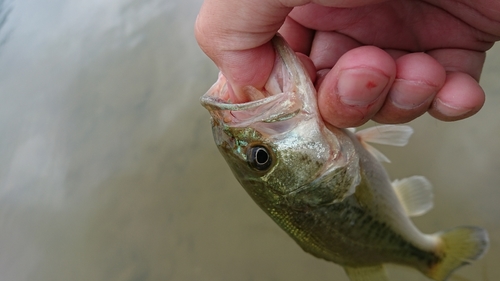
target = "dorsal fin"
x: 415, y: 194
x: 397, y: 135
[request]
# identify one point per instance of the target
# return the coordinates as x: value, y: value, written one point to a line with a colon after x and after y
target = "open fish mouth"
x: 277, y: 105
x: 284, y: 95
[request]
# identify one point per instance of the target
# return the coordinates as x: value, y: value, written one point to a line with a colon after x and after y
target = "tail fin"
x: 459, y: 246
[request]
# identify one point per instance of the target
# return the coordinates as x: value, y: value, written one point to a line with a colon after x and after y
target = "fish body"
x: 325, y: 186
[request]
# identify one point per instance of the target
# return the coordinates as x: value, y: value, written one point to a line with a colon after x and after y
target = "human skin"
x: 390, y: 61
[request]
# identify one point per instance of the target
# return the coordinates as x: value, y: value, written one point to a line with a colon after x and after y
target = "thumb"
x: 236, y: 36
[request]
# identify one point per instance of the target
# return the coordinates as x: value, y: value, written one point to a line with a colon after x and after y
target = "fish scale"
x: 314, y: 237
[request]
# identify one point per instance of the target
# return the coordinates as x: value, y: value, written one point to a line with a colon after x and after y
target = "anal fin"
x: 372, y: 273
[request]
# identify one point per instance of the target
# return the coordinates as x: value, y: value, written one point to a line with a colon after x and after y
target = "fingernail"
x: 360, y: 87
x: 449, y: 110
x: 409, y: 94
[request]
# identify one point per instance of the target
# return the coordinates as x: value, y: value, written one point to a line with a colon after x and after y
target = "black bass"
x: 325, y: 186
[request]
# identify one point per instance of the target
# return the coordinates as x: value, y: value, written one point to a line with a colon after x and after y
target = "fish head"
x: 276, y: 143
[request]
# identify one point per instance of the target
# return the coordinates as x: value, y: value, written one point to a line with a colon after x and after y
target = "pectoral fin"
x: 373, y: 273
x: 415, y: 194
x: 397, y: 135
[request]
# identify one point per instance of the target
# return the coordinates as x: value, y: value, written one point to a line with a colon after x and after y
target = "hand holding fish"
x: 390, y: 61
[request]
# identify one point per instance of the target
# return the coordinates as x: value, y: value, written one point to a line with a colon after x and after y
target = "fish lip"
x: 277, y: 107
x: 211, y: 103
x: 241, y: 114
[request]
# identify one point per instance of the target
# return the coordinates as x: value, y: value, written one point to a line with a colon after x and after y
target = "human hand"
x: 390, y: 61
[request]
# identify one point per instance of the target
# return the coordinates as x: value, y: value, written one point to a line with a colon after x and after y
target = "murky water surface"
x: 108, y: 169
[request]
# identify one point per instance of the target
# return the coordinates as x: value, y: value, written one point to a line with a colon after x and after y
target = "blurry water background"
x: 108, y: 169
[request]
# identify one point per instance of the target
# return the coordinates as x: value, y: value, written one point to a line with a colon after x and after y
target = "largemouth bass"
x: 325, y: 186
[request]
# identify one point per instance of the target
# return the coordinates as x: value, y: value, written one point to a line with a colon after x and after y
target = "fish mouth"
x: 275, y: 107
x: 287, y: 92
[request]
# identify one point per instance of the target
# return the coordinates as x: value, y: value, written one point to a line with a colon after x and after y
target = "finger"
x: 297, y: 36
x: 308, y: 65
x: 396, y: 54
x: 326, y: 50
x: 460, y: 60
x: 236, y: 35
x: 356, y: 87
x: 328, y: 47
x: 460, y: 97
x: 418, y: 79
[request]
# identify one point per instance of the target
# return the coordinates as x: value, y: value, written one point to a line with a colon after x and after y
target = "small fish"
x: 325, y: 186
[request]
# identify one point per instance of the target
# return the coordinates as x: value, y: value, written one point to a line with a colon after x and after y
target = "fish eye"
x: 259, y: 158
